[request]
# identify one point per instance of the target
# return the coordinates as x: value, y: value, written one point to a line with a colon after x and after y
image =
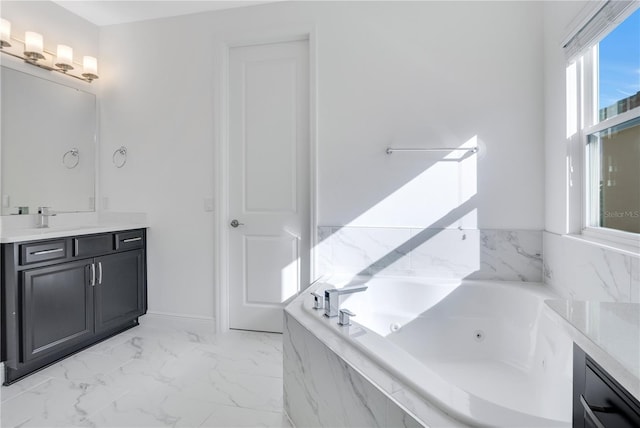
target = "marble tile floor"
x: 166, y: 372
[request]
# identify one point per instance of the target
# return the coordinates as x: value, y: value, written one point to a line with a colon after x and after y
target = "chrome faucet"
x: 43, y: 216
x: 332, y: 298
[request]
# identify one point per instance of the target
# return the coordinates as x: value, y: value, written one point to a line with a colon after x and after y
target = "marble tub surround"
x: 168, y: 371
x: 582, y: 270
x: 324, y: 389
x: 21, y: 228
x: 427, y: 368
x: 509, y: 255
x: 609, y: 332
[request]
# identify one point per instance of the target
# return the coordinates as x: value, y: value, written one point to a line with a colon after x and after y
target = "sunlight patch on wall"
x: 427, y: 227
x: 426, y: 199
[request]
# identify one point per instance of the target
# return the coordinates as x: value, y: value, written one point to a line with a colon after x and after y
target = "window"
x: 606, y: 76
x: 619, y: 69
x: 613, y: 179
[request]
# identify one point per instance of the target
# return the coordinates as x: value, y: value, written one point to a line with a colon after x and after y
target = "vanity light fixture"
x: 35, y: 54
x: 5, y: 33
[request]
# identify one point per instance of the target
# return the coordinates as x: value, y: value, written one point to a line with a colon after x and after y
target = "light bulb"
x: 5, y: 33
x: 90, y: 68
x: 33, y: 45
x: 64, y: 58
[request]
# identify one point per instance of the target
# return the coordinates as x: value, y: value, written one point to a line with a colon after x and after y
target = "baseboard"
x: 183, y: 316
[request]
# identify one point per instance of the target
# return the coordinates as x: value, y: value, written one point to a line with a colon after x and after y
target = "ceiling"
x: 108, y: 12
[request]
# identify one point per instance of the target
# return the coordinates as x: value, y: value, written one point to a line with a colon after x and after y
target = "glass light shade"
x: 33, y: 43
x: 64, y: 57
x: 5, y: 32
x: 90, y: 67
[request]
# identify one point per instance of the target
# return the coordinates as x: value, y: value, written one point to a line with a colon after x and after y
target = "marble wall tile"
x: 594, y: 273
x: 445, y: 253
x: 370, y: 250
x: 321, y: 389
x: 581, y: 270
x: 416, y: 405
x: 396, y: 417
x: 553, y: 270
x: 512, y: 255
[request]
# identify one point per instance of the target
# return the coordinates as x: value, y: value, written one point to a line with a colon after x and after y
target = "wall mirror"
x: 47, y: 145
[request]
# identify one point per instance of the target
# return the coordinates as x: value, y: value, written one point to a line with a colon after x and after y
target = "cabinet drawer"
x: 607, y: 402
x: 94, y: 245
x: 129, y: 240
x: 40, y: 252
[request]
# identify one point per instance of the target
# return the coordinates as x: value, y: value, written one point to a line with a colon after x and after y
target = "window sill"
x: 628, y: 249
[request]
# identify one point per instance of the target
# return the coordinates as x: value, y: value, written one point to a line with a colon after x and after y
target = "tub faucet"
x: 332, y: 298
x: 43, y: 216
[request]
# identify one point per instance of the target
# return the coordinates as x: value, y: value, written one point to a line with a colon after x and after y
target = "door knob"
x: 236, y: 223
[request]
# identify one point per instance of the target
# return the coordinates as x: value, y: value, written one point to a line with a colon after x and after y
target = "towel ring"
x: 74, y: 153
x: 120, y: 157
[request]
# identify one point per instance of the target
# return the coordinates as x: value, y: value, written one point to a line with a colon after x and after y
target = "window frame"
x: 589, y: 124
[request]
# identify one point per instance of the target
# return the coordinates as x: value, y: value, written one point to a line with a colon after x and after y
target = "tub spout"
x: 332, y: 298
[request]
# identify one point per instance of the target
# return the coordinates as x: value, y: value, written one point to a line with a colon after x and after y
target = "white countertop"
x: 609, y: 332
x: 21, y: 228
x: 35, y: 234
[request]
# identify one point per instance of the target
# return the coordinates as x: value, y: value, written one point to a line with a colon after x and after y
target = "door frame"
x: 221, y: 156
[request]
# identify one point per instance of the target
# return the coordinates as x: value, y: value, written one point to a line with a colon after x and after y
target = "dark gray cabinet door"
x: 57, y: 308
x: 119, y: 288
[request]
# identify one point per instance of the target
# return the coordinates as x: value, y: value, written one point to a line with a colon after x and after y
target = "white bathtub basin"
x: 485, y: 353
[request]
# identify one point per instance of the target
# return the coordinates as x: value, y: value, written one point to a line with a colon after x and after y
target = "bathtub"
x: 479, y: 353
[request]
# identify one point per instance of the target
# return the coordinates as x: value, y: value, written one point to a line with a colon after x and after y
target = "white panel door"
x: 268, y: 181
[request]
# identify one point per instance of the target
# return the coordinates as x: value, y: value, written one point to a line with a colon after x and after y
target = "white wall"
x: 389, y: 73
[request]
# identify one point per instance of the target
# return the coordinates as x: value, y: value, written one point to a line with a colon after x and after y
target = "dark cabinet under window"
x: 598, y: 400
x: 60, y: 296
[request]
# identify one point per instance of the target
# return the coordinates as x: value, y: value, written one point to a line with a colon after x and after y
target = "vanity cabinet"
x: 64, y: 294
x: 598, y: 400
x: 47, y: 293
